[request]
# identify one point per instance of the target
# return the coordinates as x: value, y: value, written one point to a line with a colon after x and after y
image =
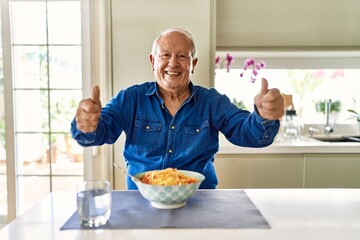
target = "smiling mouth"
x: 171, y: 73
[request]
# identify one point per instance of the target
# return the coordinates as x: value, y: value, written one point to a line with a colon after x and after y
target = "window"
x: 46, y: 49
x: 309, y: 78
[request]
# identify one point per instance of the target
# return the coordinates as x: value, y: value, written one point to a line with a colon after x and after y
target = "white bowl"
x: 169, y: 197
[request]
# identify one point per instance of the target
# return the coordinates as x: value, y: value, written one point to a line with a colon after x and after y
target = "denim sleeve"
x: 96, y: 138
x: 246, y: 129
x: 110, y: 126
x: 270, y: 128
x: 84, y: 139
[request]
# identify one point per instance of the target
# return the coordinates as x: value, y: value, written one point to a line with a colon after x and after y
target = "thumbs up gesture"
x: 88, y: 112
x: 269, y: 102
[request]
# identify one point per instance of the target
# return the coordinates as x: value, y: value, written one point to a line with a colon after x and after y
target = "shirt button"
x: 266, y: 136
x: 197, y: 130
x: 147, y: 127
x: 172, y: 127
x: 170, y: 151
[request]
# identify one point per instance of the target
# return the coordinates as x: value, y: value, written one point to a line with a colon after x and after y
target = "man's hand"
x: 269, y: 102
x: 88, y: 112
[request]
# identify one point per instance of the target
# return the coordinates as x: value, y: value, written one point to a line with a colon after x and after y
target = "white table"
x: 292, y: 213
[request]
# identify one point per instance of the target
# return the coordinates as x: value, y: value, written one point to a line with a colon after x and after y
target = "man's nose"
x: 173, y: 61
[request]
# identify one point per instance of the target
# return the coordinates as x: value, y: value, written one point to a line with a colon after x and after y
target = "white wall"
x: 136, y: 23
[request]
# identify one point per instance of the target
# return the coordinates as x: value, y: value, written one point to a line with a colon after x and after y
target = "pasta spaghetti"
x: 167, y: 177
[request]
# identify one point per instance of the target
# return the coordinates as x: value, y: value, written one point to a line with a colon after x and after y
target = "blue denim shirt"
x: 189, y: 140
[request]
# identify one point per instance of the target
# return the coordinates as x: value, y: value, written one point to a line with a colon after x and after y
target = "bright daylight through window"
x: 309, y: 89
x: 306, y: 88
x: 47, y: 86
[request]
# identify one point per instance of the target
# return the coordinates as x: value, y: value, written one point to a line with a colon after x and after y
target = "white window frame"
x: 11, y: 174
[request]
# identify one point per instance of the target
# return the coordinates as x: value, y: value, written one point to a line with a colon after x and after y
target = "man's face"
x: 173, y: 63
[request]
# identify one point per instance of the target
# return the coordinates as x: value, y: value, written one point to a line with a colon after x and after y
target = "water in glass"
x: 94, y: 203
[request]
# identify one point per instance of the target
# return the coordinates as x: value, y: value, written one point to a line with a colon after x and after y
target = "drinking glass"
x: 94, y: 202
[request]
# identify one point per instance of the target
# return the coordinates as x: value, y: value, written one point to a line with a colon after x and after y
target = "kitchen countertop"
x: 331, y: 214
x: 303, y: 146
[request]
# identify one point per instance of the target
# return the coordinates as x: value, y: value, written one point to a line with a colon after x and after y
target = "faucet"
x: 329, y: 128
x: 313, y: 130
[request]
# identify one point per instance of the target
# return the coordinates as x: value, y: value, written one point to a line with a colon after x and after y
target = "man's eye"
x: 182, y: 56
x: 165, y: 55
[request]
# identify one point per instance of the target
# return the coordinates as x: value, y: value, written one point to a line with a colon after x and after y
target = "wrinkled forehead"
x: 174, y: 41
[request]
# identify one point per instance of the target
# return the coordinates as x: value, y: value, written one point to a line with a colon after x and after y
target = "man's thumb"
x: 95, y: 96
x: 264, y: 86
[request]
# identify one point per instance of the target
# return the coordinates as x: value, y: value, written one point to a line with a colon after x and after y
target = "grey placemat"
x: 205, y: 209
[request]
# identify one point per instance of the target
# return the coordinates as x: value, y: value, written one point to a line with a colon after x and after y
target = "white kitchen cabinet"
x: 332, y: 170
x: 260, y: 171
x: 335, y: 170
x: 312, y: 24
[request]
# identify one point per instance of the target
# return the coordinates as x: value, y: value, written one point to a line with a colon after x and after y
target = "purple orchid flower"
x: 337, y: 73
x: 256, y: 67
x: 229, y: 60
x: 217, y: 59
x: 248, y: 63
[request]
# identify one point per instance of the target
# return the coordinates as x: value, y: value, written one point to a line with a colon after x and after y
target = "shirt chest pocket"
x: 146, y: 135
x: 196, y: 129
x: 197, y: 136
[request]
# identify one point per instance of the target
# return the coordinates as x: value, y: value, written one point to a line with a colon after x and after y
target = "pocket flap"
x: 196, y: 129
x: 147, y: 125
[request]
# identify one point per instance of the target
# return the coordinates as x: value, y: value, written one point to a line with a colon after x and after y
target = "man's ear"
x: 194, y: 62
x: 151, y: 57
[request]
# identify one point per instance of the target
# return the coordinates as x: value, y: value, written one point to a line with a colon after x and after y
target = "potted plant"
x: 239, y: 104
x: 355, y: 115
x: 335, y: 106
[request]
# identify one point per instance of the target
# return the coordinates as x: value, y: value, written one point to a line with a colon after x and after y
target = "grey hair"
x: 179, y: 30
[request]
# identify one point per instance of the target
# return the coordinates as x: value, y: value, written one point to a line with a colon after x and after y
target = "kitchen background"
x: 53, y: 51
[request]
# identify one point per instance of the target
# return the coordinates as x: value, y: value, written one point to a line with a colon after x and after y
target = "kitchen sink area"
x: 344, y: 139
x: 337, y: 138
x: 338, y: 133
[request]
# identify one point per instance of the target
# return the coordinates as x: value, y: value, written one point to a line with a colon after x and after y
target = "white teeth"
x: 172, y: 73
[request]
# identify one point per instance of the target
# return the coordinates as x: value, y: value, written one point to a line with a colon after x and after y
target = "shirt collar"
x: 152, y: 89
x: 155, y: 89
x: 192, y: 89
